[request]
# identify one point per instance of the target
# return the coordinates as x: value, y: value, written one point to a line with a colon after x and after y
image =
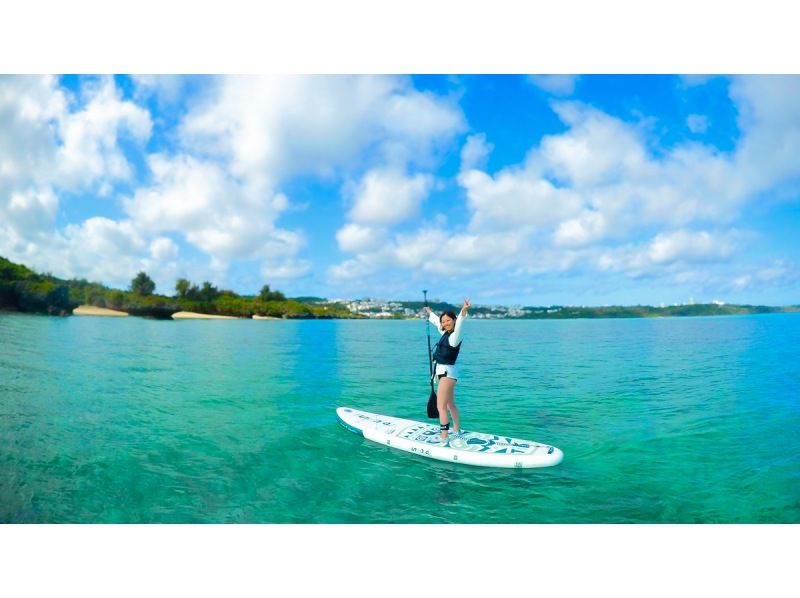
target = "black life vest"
x: 445, y: 354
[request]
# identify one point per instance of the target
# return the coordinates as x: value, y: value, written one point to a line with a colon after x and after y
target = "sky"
x: 509, y: 189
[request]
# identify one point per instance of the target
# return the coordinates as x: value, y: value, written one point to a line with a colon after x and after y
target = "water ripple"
x: 133, y: 420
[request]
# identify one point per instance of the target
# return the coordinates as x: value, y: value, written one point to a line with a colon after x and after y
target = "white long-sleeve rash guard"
x: 455, y: 338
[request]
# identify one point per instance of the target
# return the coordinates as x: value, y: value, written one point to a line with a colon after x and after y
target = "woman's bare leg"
x: 444, y: 400
x: 454, y: 410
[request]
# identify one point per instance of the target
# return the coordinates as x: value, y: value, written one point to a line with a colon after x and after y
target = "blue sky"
x: 534, y: 190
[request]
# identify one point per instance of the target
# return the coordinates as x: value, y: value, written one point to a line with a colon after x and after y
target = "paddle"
x: 433, y: 410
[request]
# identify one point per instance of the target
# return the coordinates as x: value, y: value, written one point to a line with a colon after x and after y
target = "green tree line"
x: 22, y: 289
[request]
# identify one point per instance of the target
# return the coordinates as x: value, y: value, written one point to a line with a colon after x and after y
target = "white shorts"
x: 448, y: 371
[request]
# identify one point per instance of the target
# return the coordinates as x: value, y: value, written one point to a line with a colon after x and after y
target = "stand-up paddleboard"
x: 471, y: 448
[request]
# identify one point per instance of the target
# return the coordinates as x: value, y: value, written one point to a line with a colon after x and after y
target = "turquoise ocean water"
x: 676, y: 420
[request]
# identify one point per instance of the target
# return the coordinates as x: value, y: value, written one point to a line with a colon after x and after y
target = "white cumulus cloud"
x: 388, y: 196
x: 357, y: 238
x: 164, y: 249
x: 102, y: 249
x: 280, y: 126
x: 250, y: 134
x: 599, y: 195
x: 697, y: 123
x: 676, y: 254
x: 213, y: 211
x: 54, y: 142
x: 587, y: 228
x: 695, y: 246
x: 556, y: 84
x: 90, y: 150
x: 475, y: 152
x: 516, y: 198
x: 768, y: 153
x: 597, y: 149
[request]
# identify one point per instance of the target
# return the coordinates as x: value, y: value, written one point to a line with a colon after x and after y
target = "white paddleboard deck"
x: 471, y: 448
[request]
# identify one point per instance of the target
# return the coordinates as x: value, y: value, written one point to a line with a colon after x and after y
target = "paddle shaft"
x: 433, y: 411
x: 428, y: 329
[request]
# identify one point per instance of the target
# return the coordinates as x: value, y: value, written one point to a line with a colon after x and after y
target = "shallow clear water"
x: 678, y: 420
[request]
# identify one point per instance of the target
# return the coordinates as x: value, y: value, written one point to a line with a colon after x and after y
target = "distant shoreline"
x: 585, y: 313
x: 23, y: 290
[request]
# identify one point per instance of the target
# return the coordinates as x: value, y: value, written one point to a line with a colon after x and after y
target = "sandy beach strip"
x: 190, y: 315
x: 257, y: 317
x: 91, y: 310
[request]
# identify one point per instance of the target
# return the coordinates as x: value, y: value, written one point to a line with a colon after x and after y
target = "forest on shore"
x: 23, y: 290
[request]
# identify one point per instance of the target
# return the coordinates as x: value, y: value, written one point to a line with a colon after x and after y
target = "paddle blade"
x: 433, y: 411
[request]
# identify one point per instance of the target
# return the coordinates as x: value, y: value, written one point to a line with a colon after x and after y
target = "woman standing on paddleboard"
x: 445, y: 355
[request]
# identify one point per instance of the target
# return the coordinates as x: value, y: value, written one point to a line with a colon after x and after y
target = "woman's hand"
x: 427, y: 310
x: 465, y: 307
